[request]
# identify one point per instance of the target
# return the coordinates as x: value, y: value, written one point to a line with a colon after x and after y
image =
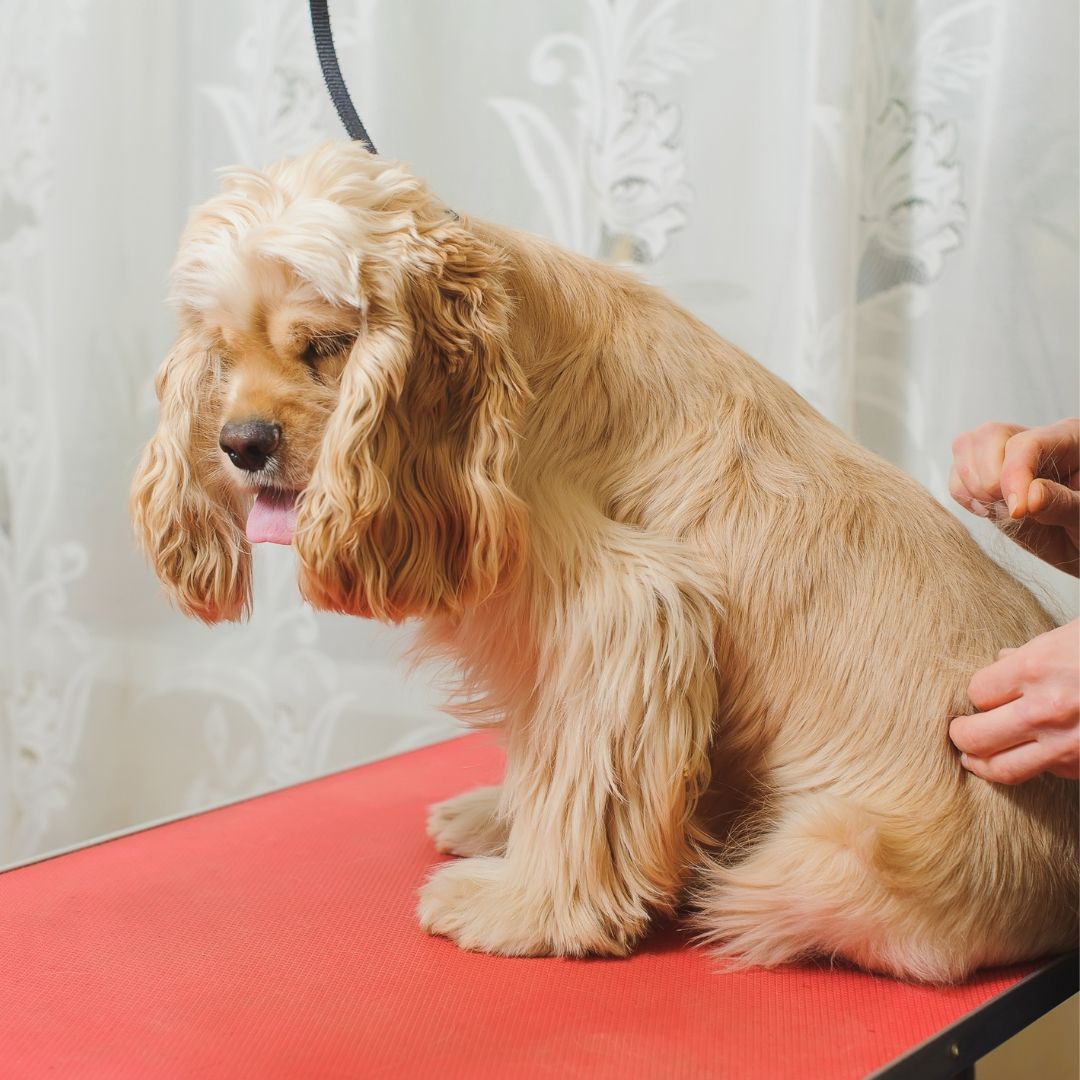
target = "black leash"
x: 335, y: 83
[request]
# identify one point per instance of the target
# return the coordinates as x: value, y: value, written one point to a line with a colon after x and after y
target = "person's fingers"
x: 961, y: 494
x: 1005, y: 652
x: 984, y: 734
x: 1012, y: 766
x: 1051, y: 452
x: 988, y: 454
x: 1069, y: 769
x: 1053, y: 504
x: 957, y: 489
x: 997, y: 684
x: 977, y: 457
x: 1062, y: 744
x: 961, y: 469
x: 1019, y: 467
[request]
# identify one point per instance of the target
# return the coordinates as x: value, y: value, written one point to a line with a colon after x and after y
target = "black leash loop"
x: 335, y: 83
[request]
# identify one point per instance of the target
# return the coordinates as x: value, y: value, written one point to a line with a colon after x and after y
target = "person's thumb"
x: 1053, y: 504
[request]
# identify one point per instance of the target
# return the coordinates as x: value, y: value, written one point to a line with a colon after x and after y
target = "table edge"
x: 185, y: 815
x: 960, y: 1045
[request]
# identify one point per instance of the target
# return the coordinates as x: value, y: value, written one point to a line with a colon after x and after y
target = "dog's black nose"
x: 249, y: 444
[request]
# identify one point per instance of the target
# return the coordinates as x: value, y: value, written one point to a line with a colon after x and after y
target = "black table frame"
x: 951, y: 1054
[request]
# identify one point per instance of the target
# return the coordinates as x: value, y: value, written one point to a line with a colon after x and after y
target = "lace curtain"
x: 877, y: 198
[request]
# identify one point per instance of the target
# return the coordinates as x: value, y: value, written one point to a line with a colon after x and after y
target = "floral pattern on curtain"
x: 876, y: 198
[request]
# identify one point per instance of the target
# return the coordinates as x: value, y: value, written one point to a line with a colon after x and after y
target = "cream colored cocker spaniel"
x: 722, y: 642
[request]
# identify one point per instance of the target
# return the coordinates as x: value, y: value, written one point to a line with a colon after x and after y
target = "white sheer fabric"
x: 877, y: 198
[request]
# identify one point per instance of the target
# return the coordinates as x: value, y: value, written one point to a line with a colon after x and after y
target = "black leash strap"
x: 335, y: 83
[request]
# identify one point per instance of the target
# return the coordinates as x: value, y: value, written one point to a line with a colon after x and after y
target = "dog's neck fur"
x: 618, y: 374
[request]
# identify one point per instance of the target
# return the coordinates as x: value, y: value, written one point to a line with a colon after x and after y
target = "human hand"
x: 1029, y: 477
x: 1029, y: 711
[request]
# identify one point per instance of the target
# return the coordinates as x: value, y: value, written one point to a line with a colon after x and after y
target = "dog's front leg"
x: 603, y: 774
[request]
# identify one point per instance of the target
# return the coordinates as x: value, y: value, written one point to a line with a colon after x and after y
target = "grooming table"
x: 275, y: 938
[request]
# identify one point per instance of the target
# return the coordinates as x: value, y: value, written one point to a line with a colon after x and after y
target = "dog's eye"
x: 323, y: 346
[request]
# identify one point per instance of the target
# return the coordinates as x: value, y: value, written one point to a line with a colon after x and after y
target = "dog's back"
x: 855, y: 610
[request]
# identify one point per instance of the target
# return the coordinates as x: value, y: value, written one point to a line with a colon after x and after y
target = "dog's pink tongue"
x: 272, y: 518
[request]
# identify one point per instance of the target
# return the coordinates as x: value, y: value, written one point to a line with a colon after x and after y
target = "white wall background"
x: 878, y: 198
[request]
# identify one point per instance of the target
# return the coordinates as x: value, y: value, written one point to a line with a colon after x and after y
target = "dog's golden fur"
x: 722, y: 641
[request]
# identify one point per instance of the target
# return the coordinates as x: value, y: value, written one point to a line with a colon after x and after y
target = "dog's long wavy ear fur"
x: 410, y: 511
x: 187, y: 518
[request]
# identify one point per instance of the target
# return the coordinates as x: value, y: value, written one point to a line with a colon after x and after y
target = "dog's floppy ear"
x: 409, y: 511
x: 187, y: 516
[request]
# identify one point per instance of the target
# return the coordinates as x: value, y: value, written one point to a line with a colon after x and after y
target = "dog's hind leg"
x: 822, y: 883
x: 469, y: 824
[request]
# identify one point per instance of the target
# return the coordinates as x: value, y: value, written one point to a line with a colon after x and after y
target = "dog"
x: 722, y: 642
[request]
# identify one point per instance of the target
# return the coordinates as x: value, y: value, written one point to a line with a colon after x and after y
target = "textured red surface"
x: 276, y: 938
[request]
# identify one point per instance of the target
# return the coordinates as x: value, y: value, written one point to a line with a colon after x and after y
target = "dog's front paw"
x: 476, y: 903
x: 468, y: 824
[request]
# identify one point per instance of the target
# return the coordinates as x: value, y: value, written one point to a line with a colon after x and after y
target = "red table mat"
x: 276, y: 938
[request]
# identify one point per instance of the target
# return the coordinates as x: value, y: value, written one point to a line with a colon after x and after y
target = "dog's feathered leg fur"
x: 604, y: 773
x: 469, y: 824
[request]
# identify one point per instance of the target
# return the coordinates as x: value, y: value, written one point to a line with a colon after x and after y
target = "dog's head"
x: 343, y: 381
